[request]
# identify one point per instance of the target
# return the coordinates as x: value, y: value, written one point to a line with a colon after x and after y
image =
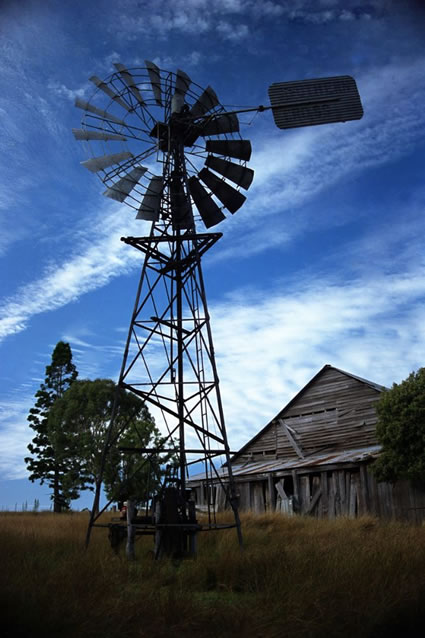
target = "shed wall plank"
x: 335, y: 411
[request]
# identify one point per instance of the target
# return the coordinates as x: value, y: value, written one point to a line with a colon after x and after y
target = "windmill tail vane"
x: 168, y: 149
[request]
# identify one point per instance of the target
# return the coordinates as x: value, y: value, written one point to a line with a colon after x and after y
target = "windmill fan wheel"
x: 164, y: 146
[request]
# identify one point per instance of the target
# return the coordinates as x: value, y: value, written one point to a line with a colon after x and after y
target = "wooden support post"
x: 314, y: 501
x: 248, y: 497
x: 315, y: 490
x: 158, y: 531
x: 305, y: 494
x: 334, y: 501
x: 347, y: 491
x: 286, y: 505
x: 193, y: 546
x: 352, y: 507
x: 324, y: 500
x: 130, y: 530
x: 342, y: 496
x: 258, y: 498
x: 363, y: 492
x: 243, y: 496
x: 220, y: 498
x: 297, y: 499
x: 272, y: 493
x: 373, y: 493
x: 279, y: 488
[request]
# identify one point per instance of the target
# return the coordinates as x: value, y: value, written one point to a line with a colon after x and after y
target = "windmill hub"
x: 181, y: 129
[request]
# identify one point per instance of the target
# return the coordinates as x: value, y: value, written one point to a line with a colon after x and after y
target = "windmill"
x: 168, y: 149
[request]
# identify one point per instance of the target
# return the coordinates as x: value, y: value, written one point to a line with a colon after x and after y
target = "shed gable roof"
x: 334, y: 410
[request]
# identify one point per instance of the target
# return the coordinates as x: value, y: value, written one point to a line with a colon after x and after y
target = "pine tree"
x: 49, y: 462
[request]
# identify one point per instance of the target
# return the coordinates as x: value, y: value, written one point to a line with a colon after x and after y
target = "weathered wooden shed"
x: 314, y: 457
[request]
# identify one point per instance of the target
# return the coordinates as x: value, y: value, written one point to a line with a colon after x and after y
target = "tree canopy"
x: 84, y: 412
x: 401, y: 430
x: 49, y: 462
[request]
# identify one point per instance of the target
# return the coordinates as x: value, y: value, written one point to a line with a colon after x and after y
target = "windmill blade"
x: 98, y: 163
x: 81, y: 134
x: 183, y: 82
x: 105, y: 88
x: 150, y: 206
x: 123, y: 187
x: 207, y: 101
x: 208, y: 209
x: 177, y: 103
x: 226, y: 123
x: 240, y: 175
x: 86, y: 106
x: 129, y: 80
x: 229, y: 196
x: 155, y: 79
x: 181, y: 87
x: 239, y: 149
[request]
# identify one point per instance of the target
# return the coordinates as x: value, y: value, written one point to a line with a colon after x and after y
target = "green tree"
x: 126, y: 476
x: 85, y: 412
x: 401, y: 430
x: 49, y: 462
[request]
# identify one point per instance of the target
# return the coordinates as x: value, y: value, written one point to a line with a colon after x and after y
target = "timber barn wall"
x: 335, y: 411
x: 341, y: 491
x: 315, y: 458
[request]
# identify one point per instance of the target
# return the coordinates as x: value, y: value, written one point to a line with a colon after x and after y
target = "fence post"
x: 130, y: 531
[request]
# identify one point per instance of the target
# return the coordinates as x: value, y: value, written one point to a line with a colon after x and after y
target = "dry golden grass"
x: 297, y: 577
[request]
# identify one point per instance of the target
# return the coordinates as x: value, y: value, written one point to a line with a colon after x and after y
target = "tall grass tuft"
x: 296, y: 577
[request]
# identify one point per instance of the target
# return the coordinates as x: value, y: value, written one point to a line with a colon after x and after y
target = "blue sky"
x: 323, y: 264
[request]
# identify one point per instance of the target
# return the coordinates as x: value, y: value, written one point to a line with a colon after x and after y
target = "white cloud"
x: 334, y: 10
x: 232, y: 32
x: 63, y: 91
x: 93, y: 357
x: 100, y: 258
x: 15, y: 434
x: 313, y: 160
x: 111, y: 59
x: 191, y: 59
x: 161, y: 17
x: 267, y: 8
x: 346, y: 15
x: 293, y: 167
x: 269, y: 345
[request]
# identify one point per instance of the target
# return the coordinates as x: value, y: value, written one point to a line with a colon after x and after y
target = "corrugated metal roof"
x: 279, y: 465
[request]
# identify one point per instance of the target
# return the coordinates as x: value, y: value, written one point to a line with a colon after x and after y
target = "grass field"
x: 297, y: 577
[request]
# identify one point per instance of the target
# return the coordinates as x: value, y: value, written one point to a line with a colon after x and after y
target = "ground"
x: 296, y: 577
